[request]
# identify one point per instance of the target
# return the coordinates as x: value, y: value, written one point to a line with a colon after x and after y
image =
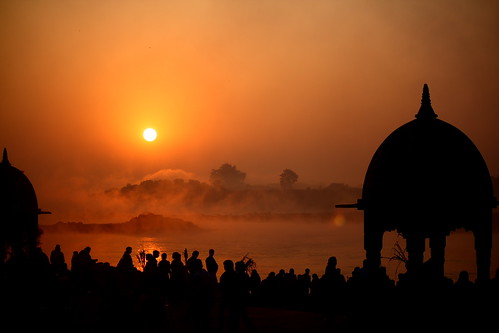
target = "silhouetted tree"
x: 288, y: 178
x: 227, y: 176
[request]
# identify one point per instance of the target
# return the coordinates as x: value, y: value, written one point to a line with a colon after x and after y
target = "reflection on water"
x: 273, y: 246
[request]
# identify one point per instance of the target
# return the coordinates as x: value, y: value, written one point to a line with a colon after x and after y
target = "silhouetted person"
x: 211, y: 263
x: 151, y: 266
x: 268, y: 288
x: 304, y: 282
x: 332, y: 285
x: 463, y: 281
x: 150, y: 274
x: 164, y: 267
x: 358, y: 279
x: 315, y: 287
x: 236, y: 294
x: 126, y: 262
x: 331, y: 269
x: 155, y: 255
x: 280, y: 275
x: 227, y: 290
x: 74, y: 262
x: 333, y: 274
x: 178, y: 278
x: 57, y: 260
x: 153, y: 297
x: 201, y: 297
x: 82, y: 266
x: 193, y: 262
x: 84, y: 260
x: 255, y: 283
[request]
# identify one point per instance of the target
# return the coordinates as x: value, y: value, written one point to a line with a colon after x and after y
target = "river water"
x: 272, y: 245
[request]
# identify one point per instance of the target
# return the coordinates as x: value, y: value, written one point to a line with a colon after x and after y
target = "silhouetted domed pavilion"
x: 18, y: 208
x: 425, y: 180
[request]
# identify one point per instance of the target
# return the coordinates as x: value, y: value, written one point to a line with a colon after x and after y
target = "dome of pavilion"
x: 429, y: 174
x: 18, y: 207
x: 17, y: 195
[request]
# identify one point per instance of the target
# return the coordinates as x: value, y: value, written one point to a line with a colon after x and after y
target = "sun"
x: 150, y: 134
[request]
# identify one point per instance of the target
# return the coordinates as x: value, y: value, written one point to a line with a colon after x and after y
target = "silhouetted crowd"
x: 188, y: 294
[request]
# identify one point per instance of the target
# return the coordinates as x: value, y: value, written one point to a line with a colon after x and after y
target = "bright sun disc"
x: 150, y: 134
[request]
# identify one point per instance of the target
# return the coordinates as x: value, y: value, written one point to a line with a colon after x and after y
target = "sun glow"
x: 150, y: 134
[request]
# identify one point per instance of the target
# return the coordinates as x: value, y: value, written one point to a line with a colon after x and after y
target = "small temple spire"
x: 426, y: 111
x: 5, y: 159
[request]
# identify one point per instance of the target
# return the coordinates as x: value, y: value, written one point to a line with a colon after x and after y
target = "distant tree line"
x: 229, y: 177
x: 203, y: 197
x: 227, y: 193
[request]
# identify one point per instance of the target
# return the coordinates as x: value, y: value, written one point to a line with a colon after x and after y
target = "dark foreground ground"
x: 108, y: 300
x: 385, y: 315
x: 420, y: 312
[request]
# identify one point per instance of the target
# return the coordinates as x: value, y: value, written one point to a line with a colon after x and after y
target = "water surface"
x: 272, y: 245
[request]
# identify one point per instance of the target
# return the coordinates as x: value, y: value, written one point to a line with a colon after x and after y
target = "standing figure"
x: 178, y: 278
x: 211, y: 264
x: 57, y: 260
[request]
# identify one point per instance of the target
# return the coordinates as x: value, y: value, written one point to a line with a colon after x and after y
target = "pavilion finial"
x: 426, y: 111
x: 5, y: 159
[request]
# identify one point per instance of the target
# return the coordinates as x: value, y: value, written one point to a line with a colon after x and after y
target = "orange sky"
x: 313, y: 86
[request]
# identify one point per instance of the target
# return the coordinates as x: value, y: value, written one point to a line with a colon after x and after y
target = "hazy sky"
x: 314, y: 86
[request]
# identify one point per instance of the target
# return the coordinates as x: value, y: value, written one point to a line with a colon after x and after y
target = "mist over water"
x: 278, y: 229
x: 273, y: 245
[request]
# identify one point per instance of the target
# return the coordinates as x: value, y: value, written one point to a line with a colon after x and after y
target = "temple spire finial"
x: 426, y: 111
x: 5, y: 159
